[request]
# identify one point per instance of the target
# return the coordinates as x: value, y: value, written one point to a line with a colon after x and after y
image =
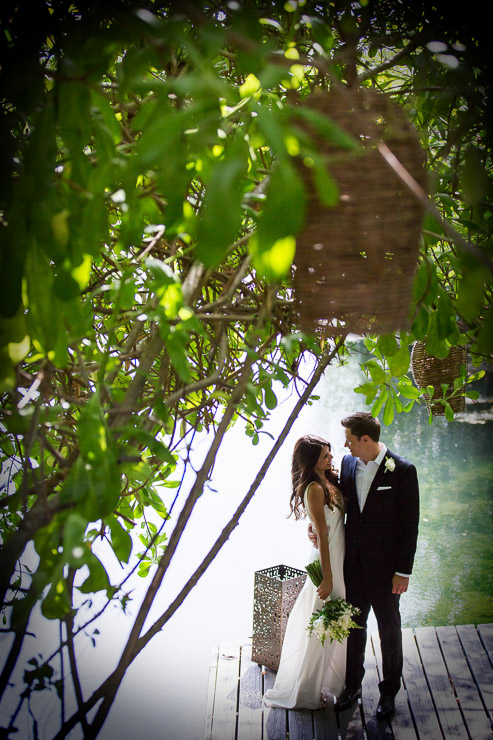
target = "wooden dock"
x: 447, y: 693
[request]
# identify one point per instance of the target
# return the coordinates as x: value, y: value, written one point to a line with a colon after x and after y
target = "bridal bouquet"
x: 335, y: 618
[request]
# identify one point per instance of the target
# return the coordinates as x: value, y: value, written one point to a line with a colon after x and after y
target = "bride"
x: 309, y: 670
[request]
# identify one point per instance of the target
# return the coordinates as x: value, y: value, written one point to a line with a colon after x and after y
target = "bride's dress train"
x: 307, y: 668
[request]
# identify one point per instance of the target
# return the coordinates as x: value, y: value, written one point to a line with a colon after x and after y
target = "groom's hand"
x: 399, y: 584
x: 312, y: 536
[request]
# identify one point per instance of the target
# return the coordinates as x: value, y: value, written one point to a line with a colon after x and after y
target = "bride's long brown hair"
x: 306, y: 453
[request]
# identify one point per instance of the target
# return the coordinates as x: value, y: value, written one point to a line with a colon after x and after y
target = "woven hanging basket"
x: 428, y: 370
x: 355, y: 262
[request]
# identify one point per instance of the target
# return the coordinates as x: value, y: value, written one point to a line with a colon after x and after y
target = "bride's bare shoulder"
x: 315, y: 491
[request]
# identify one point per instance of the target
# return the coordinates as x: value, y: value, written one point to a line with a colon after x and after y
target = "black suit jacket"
x: 381, y: 539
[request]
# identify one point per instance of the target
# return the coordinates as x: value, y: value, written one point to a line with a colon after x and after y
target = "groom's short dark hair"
x: 361, y: 423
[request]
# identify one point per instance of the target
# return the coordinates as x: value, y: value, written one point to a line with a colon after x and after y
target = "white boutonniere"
x: 389, y: 464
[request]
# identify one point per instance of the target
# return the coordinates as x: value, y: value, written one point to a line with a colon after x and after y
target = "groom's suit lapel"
x: 352, y: 477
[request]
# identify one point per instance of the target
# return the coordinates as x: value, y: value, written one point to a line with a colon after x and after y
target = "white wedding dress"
x: 307, y: 668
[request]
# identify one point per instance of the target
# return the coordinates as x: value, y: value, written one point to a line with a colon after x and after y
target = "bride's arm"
x: 315, y: 500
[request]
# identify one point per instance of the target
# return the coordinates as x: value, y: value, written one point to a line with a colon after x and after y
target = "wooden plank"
x: 479, y: 664
x: 371, y: 693
x: 402, y: 722
x: 350, y: 721
x: 486, y: 634
x: 275, y: 720
x: 300, y: 724
x: 418, y: 695
x: 325, y: 723
x: 250, y: 697
x: 442, y: 692
x: 211, y: 693
x: 470, y: 704
x: 225, y: 700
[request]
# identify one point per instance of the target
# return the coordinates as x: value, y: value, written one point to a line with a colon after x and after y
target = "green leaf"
x: 77, y: 484
x: 64, y: 286
x: 436, y: 347
x: 365, y: 388
x: 176, y: 343
x: 475, y: 376
x: 153, y: 444
x: 399, y: 362
x: 327, y: 189
x: 376, y: 371
x: 449, y: 414
x: 93, y: 438
x: 104, y: 491
x: 283, y: 214
x: 74, y: 122
x: 425, y: 281
x: 121, y: 541
x: 56, y: 603
x: 43, y: 316
x: 220, y: 218
x: 388, y: 412
x: 270, y: 398
x: 470, y: 298
x: 274, y: 263
x: 329, y: 130
x: 272, y: 126
x: 484, y: 340
x: 408, y: 391
x: 445, y: 316
x: 475, y: 179
x: 397, y: 402
x: 97, y: 579
x: 387, y: 344
x: 74, y: 547
x: 421, y: 323
x: 377, y: 406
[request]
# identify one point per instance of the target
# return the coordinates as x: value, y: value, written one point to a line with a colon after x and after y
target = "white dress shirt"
x: 365, y: 473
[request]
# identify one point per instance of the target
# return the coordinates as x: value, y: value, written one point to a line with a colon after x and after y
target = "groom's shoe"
x: 348, y: 697
x: 385, y: 707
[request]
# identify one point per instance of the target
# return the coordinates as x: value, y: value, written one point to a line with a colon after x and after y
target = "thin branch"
x: 396, y: 59
x: 129, y: 403
x: 20, y: 633
x: 69, y: 624
x: 211, y: 380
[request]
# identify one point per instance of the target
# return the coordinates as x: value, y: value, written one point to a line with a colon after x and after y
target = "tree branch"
x: 396, y: 59
x: 69, y: 624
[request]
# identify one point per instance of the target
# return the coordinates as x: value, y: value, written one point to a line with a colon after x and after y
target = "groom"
x: 382, y: 500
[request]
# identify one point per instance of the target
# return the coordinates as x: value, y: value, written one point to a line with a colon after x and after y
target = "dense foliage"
x: 149, y: 214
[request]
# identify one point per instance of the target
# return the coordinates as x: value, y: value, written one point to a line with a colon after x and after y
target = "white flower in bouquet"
x: 334, y: 619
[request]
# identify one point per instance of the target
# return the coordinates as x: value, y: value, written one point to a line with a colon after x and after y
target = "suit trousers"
x: 366, y: 595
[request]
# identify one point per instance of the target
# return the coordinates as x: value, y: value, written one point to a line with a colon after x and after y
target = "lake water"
x: 164, y: 692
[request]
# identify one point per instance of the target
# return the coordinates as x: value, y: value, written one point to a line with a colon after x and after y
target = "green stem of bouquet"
x: 314, y: 570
